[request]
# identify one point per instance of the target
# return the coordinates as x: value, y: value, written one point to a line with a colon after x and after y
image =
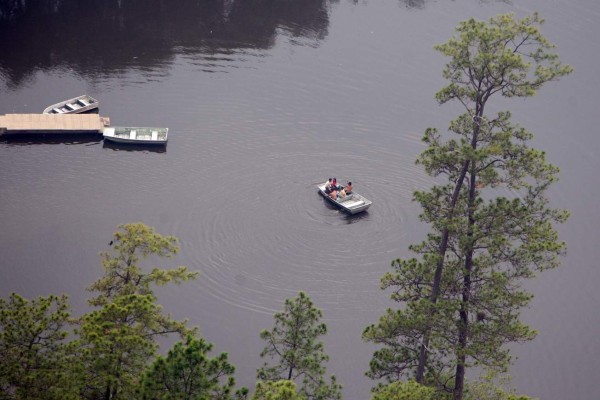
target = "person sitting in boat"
x: 333, y: 194
x: 348, y: 188
x: 334, y: 184
x: 328, y: 184
x: 328, y: 187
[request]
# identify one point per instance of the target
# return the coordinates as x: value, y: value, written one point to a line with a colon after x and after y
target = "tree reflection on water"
x: 106, y: 37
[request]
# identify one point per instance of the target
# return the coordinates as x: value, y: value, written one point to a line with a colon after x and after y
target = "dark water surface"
x: 264, y: 99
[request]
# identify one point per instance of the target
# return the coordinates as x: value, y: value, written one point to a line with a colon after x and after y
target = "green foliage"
x: 36, y: 360
x: 504, y: 55
x: 491, y: 387
x: 187, y: 373
x: 122, y: 274
x: 119, y: 338
x: 299, y: 356
x: 491, y: 225
x: 118, y: 342
x: 276, y: 390
x: 410, y: 390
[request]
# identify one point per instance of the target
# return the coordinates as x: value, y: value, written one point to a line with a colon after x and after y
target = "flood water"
x: 264, y: 99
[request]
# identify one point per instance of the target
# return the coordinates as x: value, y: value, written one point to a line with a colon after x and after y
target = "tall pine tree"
x: 295, y: 350
x: 491, y: 226
x: 119, y: 338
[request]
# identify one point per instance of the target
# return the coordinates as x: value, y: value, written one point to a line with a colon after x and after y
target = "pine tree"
x: 276, y: 390
x: 491, y: 224
x: 297, y: 354
x: 123, y: 275
x: 187, y: 373
x: 37, y: 362
x: 119, y: 338
x: 404, y: 391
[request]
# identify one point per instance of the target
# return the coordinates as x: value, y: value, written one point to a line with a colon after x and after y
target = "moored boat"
x: 136, y: 135
x: 353, y: 203
x: 75, y: 105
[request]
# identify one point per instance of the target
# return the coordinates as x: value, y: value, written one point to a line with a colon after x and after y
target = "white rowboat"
x: 136, y: 135
x: 73, y: 106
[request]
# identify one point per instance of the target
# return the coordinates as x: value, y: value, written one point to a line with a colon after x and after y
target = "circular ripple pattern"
x: 261, y: 232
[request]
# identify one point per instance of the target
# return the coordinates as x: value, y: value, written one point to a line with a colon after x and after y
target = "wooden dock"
x: 11, y: 124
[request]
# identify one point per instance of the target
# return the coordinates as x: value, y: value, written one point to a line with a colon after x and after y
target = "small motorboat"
x: 353, y: 203
x: 136, y: 135
x: 73, y: 106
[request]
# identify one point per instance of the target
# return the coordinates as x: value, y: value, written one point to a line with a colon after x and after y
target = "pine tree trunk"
x: 463, y: 324
x: 437, y: 278
x: 463, y: 332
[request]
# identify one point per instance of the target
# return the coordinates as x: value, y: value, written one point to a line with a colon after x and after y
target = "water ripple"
x: 267, y: 233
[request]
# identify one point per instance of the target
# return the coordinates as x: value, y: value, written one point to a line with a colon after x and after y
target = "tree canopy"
x: 398, y: 390
x: 296, y: 353
x: 187, y: 373
x: 119, y: 338
x: 123, y: 275
x: 37, y: 362
x: 491, y: 224
x: 276, y: 390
